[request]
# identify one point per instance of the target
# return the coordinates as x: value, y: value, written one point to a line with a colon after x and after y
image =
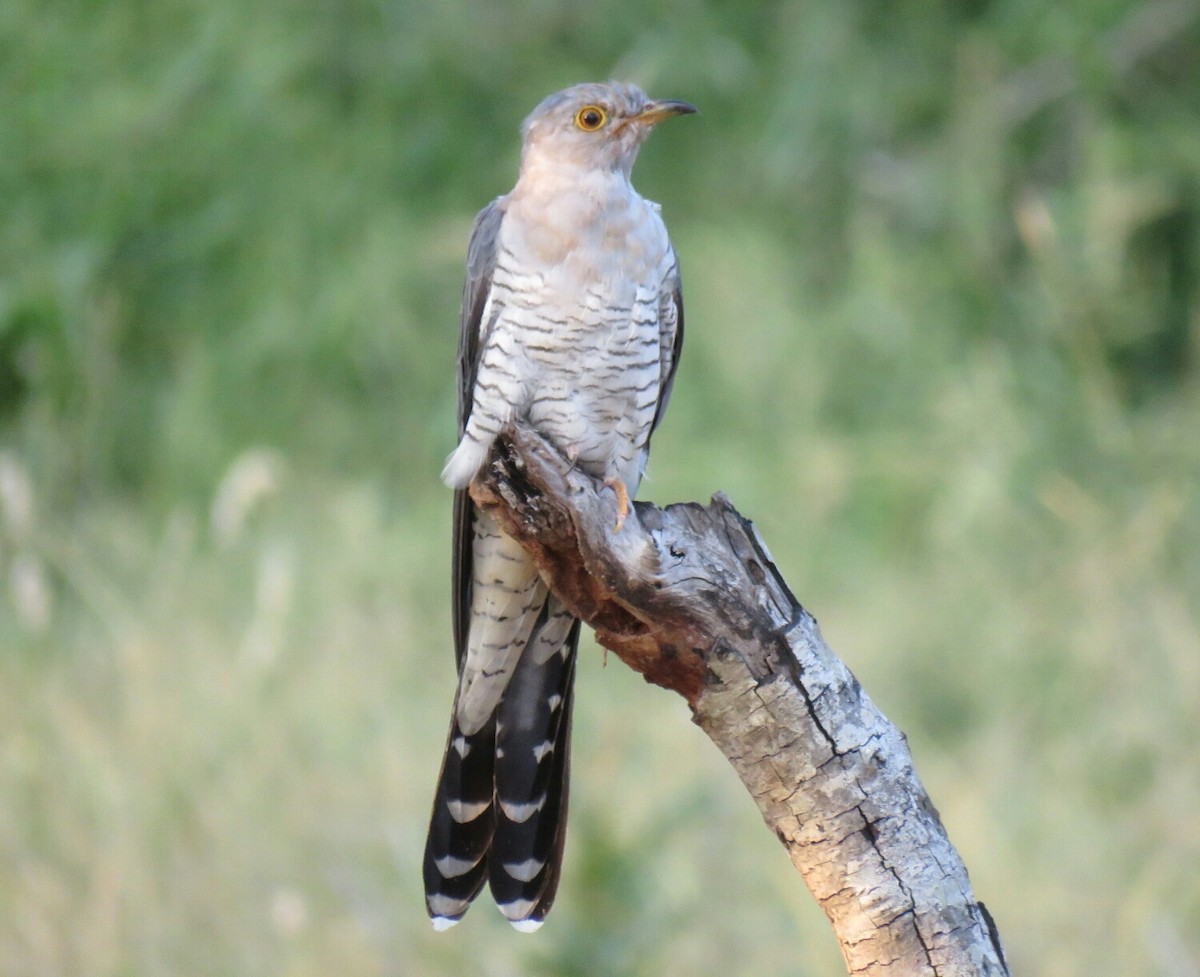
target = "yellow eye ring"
x: 590, y: 118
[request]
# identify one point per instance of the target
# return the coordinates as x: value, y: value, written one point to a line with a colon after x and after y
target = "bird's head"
x: 594, y: 126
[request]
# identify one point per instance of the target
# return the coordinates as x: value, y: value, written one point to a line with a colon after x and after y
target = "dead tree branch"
x: 689, y: 596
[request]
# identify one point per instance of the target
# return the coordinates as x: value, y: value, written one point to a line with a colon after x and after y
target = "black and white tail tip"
x: 442, y: 923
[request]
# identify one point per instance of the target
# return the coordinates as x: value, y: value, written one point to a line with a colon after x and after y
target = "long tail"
x: 501, y: 803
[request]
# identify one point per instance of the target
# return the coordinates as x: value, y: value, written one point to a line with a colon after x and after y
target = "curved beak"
x: 656, y: 111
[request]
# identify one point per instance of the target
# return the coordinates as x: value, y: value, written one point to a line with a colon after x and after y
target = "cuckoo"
x: 572, y: 322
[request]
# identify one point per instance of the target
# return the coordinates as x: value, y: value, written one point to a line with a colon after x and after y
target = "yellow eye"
x: 590, y: 118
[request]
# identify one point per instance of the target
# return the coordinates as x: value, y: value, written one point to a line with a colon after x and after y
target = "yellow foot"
x: 618, y: 486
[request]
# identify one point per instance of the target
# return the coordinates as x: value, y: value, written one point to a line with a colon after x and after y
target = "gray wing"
x: 472, y: 335
x: 670, y: 338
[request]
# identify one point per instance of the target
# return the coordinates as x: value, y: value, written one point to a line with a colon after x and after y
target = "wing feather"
x: 670, y: 338
x: 472, y: 337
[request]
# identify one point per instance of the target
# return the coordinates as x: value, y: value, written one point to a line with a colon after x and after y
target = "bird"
x: 572, y: 324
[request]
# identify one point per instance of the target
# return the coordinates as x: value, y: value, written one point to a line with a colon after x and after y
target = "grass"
x: 941, y: 270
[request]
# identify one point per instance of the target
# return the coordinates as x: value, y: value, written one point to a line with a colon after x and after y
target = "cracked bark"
x: 689, y: 596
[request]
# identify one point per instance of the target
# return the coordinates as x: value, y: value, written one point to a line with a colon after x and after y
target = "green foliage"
x: 942, y: 272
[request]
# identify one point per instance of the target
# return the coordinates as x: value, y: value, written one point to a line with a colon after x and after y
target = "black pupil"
x: 591, y: 118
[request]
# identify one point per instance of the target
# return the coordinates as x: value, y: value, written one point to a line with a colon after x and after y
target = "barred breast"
x: 575, y: 347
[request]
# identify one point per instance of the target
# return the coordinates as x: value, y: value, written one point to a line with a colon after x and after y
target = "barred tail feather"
x: 532, y: 772
x: 526, y: 898
x: 499, y: 813
x: 461, y: 825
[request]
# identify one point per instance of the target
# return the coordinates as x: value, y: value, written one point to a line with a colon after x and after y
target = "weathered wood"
x: 689, y: 596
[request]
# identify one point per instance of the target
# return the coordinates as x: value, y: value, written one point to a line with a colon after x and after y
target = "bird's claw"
x: 618, y: 486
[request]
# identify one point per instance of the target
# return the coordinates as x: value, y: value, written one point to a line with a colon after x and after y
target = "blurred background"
x: 942, y: 272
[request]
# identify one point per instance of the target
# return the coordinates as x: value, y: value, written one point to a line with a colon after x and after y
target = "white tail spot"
x: 446, y: 908
x: 525, y: 871
x: 464, y: 811
x: 451, y: 867
x: 517, y: 912
x: 520, y: 813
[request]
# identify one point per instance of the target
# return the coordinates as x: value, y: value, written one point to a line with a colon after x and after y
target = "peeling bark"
x: 689, y: 596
